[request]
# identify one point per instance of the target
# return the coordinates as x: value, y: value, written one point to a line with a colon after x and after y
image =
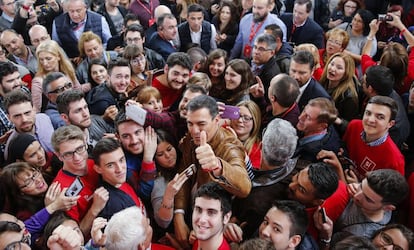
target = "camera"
x: 384, y: 17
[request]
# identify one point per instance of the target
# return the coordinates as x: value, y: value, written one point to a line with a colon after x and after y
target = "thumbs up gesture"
x: 206, y: 157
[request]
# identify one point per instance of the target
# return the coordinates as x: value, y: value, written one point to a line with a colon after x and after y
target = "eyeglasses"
x: 30, y: 181
x: 67, y: 85
x: 246, y: 118
x: 336, y: 42
x: 137, y: 60
x: 387, y: 240
x: 261, y: 49
x: 17, y: 245
x: 69, y: 155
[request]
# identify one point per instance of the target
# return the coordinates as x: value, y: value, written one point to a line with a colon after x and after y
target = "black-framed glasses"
x: 29, y: 182
x: 69, y: 155
x: 138, y: 59
x: 59, y: 90
x: 261, y: 49
x: 387, y: 240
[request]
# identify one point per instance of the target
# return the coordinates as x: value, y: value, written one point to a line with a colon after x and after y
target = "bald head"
x: 160, y: 10
x: 38, y: 33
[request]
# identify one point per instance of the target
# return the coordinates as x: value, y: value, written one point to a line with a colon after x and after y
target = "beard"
x: 258, y: 19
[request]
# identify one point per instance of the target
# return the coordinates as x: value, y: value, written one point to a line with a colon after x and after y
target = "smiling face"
x: 276, y: 228
x: 131, y: 135
x: 232, y: 78
x: 99, y: 73
x: 208, y: 219
x: 201, y: 120
x: 120, y: 78
x: 35, y: 155
x: 376, y: 121
x: 177, y: 76
x: 391, y: 238
x: 153, y: 104
x: 244, y: 125
x: 166, y: 155
x: 336, y: 70
x: 216, y: 68
x: 112, y: 167
x: 31, y: 182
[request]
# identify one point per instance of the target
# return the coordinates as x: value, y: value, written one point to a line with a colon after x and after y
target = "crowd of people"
x: 253, y: 124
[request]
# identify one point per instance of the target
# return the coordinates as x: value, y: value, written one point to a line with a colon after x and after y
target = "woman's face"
x: 225, y: 14
x: 357, y: 24
x: 74, y: 225
x: 334, y: 45
x: 349, y: 8
x: 2, y: 55
x: 232, y: 79
x: 35, y: 155
x: 217, y: 67
x: 166, y: 155
x: 153, y: 104
x: 48, y: 61
x: 138, y: 64
x: 244, y: 125
x: 99, y: 73
x: 389, y: 239
x: 336, y: 69
x: 31, y: 182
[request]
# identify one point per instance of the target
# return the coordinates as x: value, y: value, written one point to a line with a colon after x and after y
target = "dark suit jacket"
x: 161, y: 46
x: 310, y: 32
x: 104, y: 13
x: 313, y: 90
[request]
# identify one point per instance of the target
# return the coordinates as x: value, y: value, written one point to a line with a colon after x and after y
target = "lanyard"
x: 145, y: 8
x: 254, y: 32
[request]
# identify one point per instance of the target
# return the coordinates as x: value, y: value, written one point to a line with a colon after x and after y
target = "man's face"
x: 367, y: 199
x: 182, y: 106
x: 300, y: 72
x: 261, y: 53
x: 208, y: 219
x: 57, y: 87
x: 261, y: 9
x: 131, y: 135
x: 35, y: 155
x: 73, y: 161
x: 177, y: 76
x: 93, y: 49
x: 38, y: 35
x: 201, y: 120
x: 120, y: 78
x: 112, y: 167
x: 78, y: 114
x: 302, y: 190
x: 13, y: 43
x: 8, y: 7
x: 195, y: 19
x: 376, y: 121
x: 276, y: 228
x: 299, y: 14
x: 169, y: 28
x: 10, y: 82
x: 134, y: 37
x: 23, y: 117
x: 76, y: 11
x: 308, y: 123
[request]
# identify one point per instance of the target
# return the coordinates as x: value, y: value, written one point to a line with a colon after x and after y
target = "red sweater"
x: 168, y: 95
x: 369, y: 158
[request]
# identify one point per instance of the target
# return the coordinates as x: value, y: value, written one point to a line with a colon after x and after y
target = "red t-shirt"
x: 224, y: 245
x: 168, y: 95
x: 90, y: 183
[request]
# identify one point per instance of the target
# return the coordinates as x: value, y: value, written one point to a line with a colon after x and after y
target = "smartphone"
x: 323, y: 214
x: 190, y: 170
x: 231, y: 112
x: 75, y: 188
x: 384, y: 17
x: 136, y: 113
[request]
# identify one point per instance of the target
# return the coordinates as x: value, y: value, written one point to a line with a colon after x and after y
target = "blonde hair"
x: 87, y: 37
x: 257, y: 120
x: 201, y: 79
x: 65, y: 66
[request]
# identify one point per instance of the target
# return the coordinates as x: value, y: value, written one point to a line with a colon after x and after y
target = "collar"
x: 7, y: 17
x: 377, y: 142
x: 300, y: 25
x: 269, y: 177
x: 196, y: 32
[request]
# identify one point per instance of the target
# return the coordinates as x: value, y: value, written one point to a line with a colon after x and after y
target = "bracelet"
x: 179, y: 211
x: 370, y: 38
x: 165, y: 206
x: 402, y: 32
x: 26, y: 8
